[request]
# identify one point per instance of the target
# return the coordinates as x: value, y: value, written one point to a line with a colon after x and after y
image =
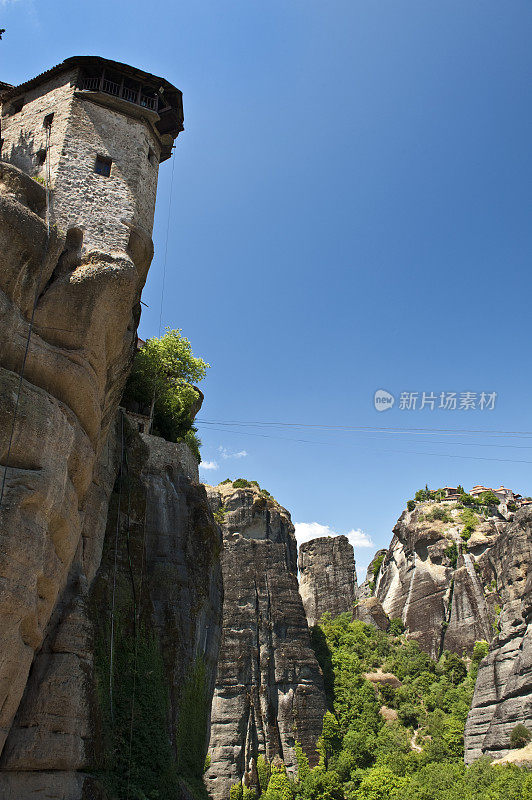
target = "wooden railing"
x: 136, y: 96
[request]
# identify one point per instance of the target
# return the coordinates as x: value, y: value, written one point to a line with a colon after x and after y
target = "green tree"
x: 263, y: 772
x: 520, y: 736
x: 161, y: 381
x: 330, y: 741
x: 279, y: 786
x: 488, y: 499
x: 380, y: 783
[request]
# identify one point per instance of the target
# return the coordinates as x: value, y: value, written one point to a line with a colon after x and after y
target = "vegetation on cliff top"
x: 484, y: 503
x: 393, y: 736
x: 161, y: 383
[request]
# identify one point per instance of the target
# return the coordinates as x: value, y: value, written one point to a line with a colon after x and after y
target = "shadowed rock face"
x: 327, y: 577
x: 444, y: 605
x: 269, y: 688
x: 77, y: 362
x: 503, y: 692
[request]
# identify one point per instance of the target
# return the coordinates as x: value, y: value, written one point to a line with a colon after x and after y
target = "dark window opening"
x: 41, y: 157
x: 47, y: 122
x: 102, y: 166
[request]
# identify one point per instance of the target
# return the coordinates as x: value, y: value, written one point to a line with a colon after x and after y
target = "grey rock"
x: 327, y: 577
x: 269, y: 688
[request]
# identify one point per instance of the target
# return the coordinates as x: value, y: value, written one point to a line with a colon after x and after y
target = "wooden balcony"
x: 130, y: 94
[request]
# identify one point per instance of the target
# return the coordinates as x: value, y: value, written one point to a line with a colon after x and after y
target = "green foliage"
x: 163, y: 373
x: 365, y: 758
x: 241, y: 483
x: 279, y: 786
x: 488, y: 499
x: 227, y: 480
x: 454, y: 667
x: 151, y: 771
x: 452, y: 554
x: 236, y: 791
x: 303, y: 766
x: 396, y: 627
x: 377, y: 564
x: 408, y: 715
x: 219, y: 515
x: 411, y: 504
x: 192, y: 726
x: 480, y: 651
x: 263, y: 772
x: 438, y: 513
x: 520, y: 736
x: 380, y: 783
x: 248, y: 793
x: 470, y: 521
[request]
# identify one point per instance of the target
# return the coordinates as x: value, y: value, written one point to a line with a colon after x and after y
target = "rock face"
x: 440, y: 588
x: 269, y: 688
x: 157, y: 596
x: 77, y: 361
x: 370, y: 611
x: 503, y: 692
x: 327, y: 577
x: 451, y: 591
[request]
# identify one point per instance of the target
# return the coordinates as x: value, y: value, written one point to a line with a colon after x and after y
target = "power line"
x: 370, y: 428
x: 387, y: 450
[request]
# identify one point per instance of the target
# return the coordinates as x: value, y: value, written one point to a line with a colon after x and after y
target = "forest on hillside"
x: 395, y: 726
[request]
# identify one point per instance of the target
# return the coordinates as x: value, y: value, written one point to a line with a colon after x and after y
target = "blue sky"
x: 351, y: 212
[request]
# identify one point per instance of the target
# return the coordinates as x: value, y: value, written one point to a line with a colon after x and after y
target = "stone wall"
x: 105, y: 208
x: 24, y: 134
x: 86, y: 125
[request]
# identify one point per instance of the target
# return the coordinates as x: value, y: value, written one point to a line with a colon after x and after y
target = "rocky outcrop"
x: 370, y: 611
x: 503, y: 692
x: 123, y: 682
x: 367, y: 587
x: 62, y: 601
x: 269, y: 688
x: 439, y: 586
x: 84, y: 312
x: 327, y: 577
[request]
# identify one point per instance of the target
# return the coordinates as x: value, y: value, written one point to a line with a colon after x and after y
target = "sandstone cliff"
x: 59, y: 514
x: 54, y: 504
x: 452, y: 586
x: 503, y: 692
x: 327, y: 577
x: 439, y: 585
x: 269, y: 688
x: 119, y: 693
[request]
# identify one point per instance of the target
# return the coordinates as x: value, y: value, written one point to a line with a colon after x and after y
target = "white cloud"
x: 227, y: 454
x: 359, y: 539
x: 209, y: 465
x: 305, y: 531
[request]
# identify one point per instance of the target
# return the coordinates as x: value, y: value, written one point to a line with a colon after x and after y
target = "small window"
x: 47, y: 122
x: 41, y: 157
x: 102, y: 166
x: 16, y: 106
